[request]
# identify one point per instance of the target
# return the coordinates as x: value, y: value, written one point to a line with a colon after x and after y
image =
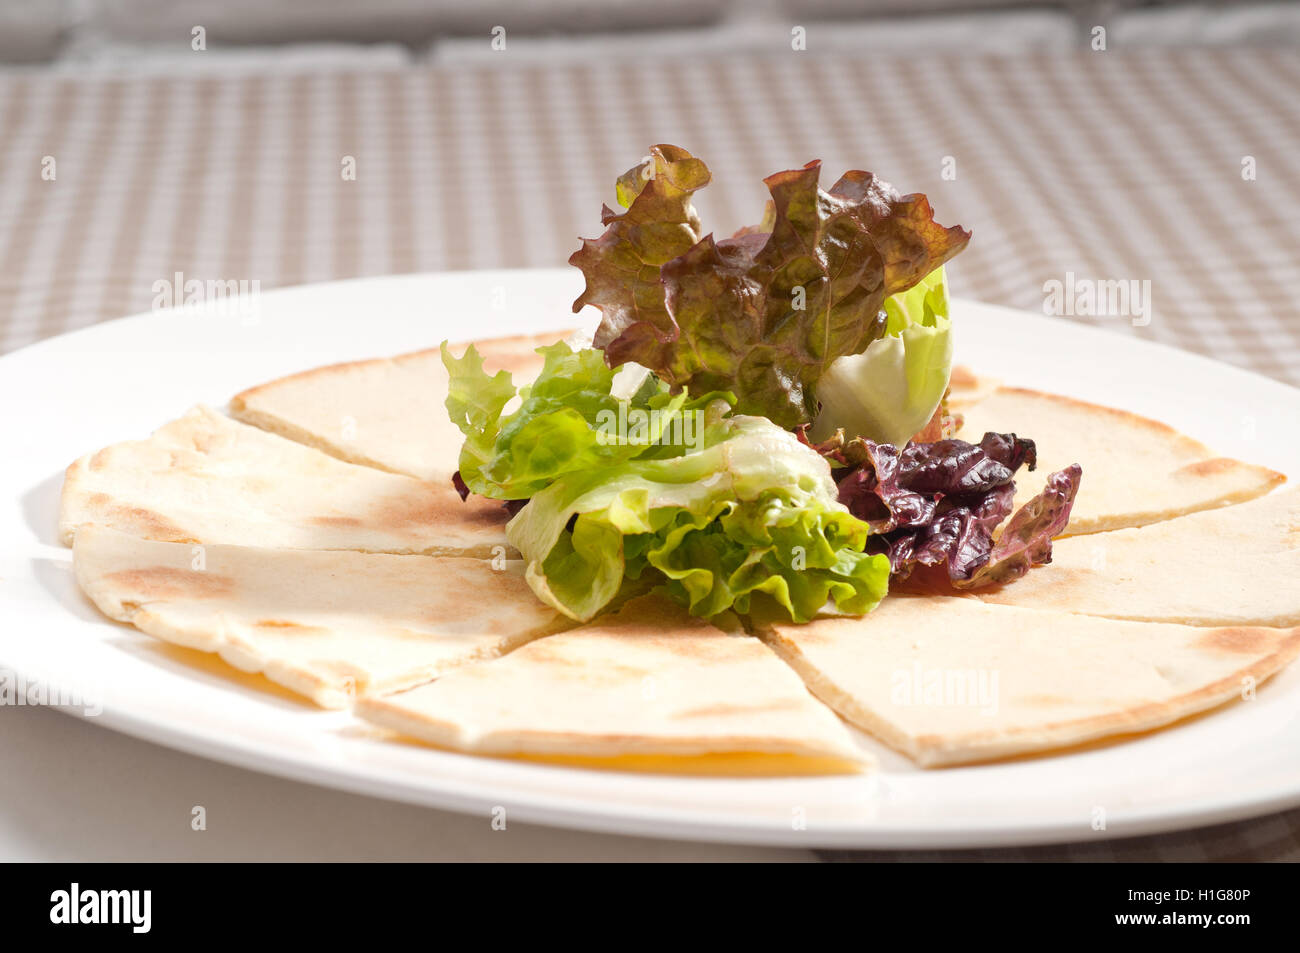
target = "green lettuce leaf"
x: 891, y: 390
x: 754, y: 510
x: 567, y: 420
x: 765, y: 313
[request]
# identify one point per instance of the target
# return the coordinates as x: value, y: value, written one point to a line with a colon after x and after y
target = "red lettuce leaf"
x: 937, y: 506
x: 622, y: 266
x: 762, y: 314
x: 1027, y: 540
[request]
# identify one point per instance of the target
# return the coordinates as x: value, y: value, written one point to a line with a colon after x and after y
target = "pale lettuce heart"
x: 890, y: 391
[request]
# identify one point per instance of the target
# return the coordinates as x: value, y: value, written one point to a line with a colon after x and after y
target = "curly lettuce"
x: 753, y: 510
x: 763, y: 314
x: 567, y: 420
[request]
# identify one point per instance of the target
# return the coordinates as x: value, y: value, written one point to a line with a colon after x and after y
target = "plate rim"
x: 716, y: 828
x: 454, y: 795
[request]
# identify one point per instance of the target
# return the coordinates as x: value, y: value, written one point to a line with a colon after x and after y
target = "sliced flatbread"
x: 947, y: 680
x: 328, y: 625
x: 645, y: 683
x: 1135, y: 470
x: 965, y: 387
x: 388, y: 413
x: 208, y: 479
x: 1238, y: 565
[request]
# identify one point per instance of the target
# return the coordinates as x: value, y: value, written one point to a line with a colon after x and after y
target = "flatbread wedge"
x: 388, y: 413
x: 208, y: 479
x: 327, y: 625
x: 646, y: 683
x: 966, y: 387
x: 949, y: 680
x: 1136, y: 471
x: 1237, y: 565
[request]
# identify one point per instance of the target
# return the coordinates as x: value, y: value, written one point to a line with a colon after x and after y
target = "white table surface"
x: 73, y: 791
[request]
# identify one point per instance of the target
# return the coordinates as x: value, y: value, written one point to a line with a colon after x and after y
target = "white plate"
x: 122, y: 379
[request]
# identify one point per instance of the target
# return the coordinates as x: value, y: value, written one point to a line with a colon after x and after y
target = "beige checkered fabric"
x: 1181, y: 168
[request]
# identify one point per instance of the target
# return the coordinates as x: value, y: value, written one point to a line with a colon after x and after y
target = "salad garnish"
x: 938, y: 505
x: 753, y: 510
x: 675, y: 448
x: 763, y: 314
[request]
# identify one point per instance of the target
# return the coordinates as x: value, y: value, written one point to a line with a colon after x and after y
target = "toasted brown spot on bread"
x: 139, y: 521
x: 962, y: 376
x: 1207, y: 467
x: 506, y: 592
x: 166, y: 582
x: 650, y: 616
x: 1243, y: 640
x: 437, y: 507
x: 727, y: 711
x: 1217, y: 465
x: 721, y: 648
x: 286, y: 624
x: 488, y: 589
x: 549, y: 653
x: 1044, y: 700
x: 335, y: 521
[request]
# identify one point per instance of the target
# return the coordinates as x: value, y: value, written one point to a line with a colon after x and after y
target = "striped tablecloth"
x: 1181, y: 168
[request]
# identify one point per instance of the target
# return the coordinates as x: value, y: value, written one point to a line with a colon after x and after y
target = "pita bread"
x: 323, y: 624
x: 965, y: 387
x: 208, y: 479
x: 647, y: 682
x: 1234, y: 566
x: 1135, y: 471
x: 388, y: 413
x: 948, y: 680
